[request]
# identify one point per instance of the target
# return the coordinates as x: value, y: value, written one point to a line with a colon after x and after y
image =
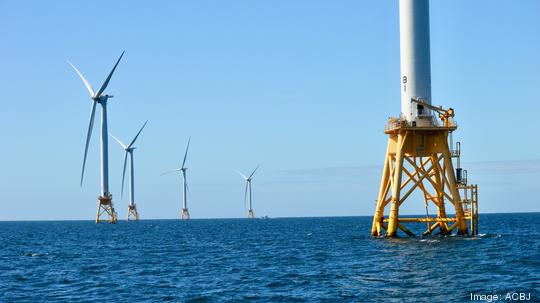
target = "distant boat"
x: 265, y: 217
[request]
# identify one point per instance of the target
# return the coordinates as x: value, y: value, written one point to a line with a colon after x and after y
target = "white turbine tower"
x: 251, y: 215
x: 105, y: 204
x: 132, y: 207
x: 185, y: 188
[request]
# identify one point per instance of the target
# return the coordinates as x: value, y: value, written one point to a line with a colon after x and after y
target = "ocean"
x: 331, y: 259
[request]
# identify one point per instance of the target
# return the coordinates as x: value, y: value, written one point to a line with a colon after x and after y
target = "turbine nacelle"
x: 102, y: 98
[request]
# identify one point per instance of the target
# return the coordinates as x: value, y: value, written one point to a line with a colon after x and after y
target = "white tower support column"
x: 250, y: 208
x: 251, y: 215
x: 104, y: 150
x: 184, y: 190
x: 131, y: 180
x: 185, y: 211
x: 415, y: 57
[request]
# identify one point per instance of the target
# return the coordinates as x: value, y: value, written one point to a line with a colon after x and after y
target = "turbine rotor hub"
x: 102, y: 99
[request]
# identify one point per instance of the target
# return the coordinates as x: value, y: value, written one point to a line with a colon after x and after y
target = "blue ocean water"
x: 274, y: 260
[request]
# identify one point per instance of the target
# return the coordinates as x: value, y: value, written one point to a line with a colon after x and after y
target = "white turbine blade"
x: 88, y: 86
x: 241, y: 174
x: 88, y: 136
x: 104, y: 85
x: 134, y: 139
x: 124, y: 174
x: 170, y: 171
x: 185, y: 155
x: 253, y: 172
x: 119, y: 142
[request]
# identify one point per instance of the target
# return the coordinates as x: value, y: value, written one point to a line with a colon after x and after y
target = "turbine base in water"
x: 106, y: 208
x: 422, y: 156
x: 132, y: 213
x: 185, y: 214
x: 251, y: 215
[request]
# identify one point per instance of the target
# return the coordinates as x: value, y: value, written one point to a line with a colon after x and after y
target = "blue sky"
x: 302, y: 88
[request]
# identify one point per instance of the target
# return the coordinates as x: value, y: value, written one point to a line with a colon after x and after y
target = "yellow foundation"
x: 132, y: 213
x: 419, y: 159
x: 106, y: 209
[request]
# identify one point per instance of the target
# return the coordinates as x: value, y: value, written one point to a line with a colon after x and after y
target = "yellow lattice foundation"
x: 132, y: 213
x: 106, y: 208
x: 418, y: 159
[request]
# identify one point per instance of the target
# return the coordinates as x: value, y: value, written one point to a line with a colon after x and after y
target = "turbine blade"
x: 118, y: 140
x: 185, y: 155
x: 124, y: 174
x: 253, y: 172
x: 134, y: 139
x: 170, y: 171
x: 88, y: 136
x: 88, y: 86
x: 104, y: 85
x: 241, y: 174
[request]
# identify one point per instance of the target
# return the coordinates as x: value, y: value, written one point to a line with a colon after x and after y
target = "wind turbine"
x: 132, y: 207
x: 105, y: 204
x: 183, y: 169
x: 251, y: 215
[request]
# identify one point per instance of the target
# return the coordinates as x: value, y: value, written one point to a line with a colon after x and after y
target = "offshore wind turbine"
x: 185, y: 212
x: 132, y: 207
x: 105, y: 205
x: 247, y: 193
